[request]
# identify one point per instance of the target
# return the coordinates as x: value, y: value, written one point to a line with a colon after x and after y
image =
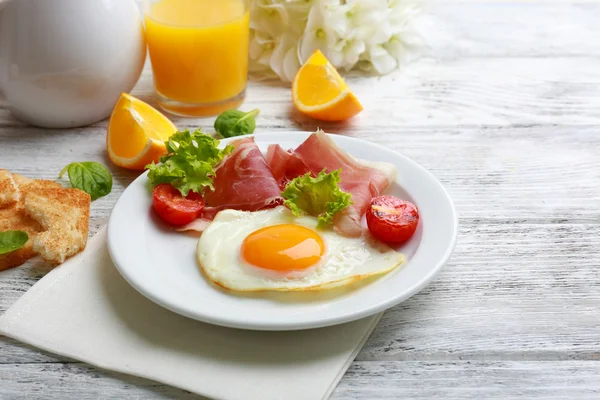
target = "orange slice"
x: 136, y: 133
x: 320, y: 92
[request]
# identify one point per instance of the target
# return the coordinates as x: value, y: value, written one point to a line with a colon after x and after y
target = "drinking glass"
x: 199, y: 53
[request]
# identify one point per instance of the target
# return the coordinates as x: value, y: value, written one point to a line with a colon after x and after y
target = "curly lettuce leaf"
x: 320, y: 197
x: 189, y: 162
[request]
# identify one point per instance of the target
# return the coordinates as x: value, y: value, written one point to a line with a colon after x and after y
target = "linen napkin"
x: 85, y: 310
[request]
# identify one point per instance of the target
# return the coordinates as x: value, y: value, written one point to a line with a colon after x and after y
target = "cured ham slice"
x: 362, y: 179
x: 285, y: 165
x: 243, y: 181
x: 278, y: 160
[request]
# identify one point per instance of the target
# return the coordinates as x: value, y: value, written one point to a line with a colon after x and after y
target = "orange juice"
x: 199, y: 53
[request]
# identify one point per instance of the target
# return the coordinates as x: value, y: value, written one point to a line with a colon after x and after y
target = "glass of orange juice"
x: 199, y: 53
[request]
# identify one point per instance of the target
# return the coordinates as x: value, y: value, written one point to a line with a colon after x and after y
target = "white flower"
x: 403, y: 46
x: 298, y: 14
x: 395, y: 47
x: 284, y: 60
x: 369, y: 20
x: 318, y: 33
x: 337, y: 18
x: 260, y: 50
x: 269, y: 16
x: 345, y: 53
x: 405, y: 40
x: 371, y: 35
x: 380, y: 59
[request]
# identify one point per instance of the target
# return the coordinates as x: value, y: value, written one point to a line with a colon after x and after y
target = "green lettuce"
x: 320, y: 197
x: 189, y: 162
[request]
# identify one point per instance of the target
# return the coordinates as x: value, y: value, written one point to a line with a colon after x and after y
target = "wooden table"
x: 506, y: 113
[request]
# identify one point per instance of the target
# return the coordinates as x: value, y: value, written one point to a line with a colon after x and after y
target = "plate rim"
x: 307, y: 324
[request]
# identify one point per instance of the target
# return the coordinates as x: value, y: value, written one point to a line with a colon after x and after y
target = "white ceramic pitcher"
x: 63, y: 63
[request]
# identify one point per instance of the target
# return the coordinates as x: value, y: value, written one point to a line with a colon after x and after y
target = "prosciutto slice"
x: 285, y: 165
x: 362, y: 179
x: 243, y: 181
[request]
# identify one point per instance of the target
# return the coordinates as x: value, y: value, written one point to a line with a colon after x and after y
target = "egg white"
x: 346, y: 260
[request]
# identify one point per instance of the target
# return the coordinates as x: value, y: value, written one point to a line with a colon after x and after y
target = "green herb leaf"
x: 89, y: 176
x: 320, y: 196
x: 236, y: 123
x: 189, y: 163
x: 12, y: 240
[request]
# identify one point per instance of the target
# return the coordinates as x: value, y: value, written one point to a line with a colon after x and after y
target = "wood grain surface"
x: 503, y: 109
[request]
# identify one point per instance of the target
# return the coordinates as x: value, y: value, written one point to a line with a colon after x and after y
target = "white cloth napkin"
x: 85, y: 310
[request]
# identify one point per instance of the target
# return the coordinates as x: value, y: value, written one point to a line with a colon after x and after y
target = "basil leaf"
x: 236, y: 123
x: 12, y: 240
x: 89, y: 176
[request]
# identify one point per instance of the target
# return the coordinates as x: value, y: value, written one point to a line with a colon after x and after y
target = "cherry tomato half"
x: 391, y: 219
x: 173, y: 208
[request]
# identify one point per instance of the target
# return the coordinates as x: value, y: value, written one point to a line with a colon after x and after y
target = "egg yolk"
x: 283, y: 247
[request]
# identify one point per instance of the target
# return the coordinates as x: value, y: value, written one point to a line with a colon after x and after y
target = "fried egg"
x: 274, y: 250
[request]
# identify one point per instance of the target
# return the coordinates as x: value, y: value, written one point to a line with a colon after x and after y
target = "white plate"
x: 161, y: 263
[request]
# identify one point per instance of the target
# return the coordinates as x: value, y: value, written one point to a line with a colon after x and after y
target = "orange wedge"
x: 320, y: 92
x: 136, y: 133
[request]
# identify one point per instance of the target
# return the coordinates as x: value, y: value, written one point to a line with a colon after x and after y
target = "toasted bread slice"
x: 26, y: 184
x: 21, y: 180
x: 9, y: 191
x: 17, y: 257
x: 56, y: 219
x: 13, y: 217
x: 64, y: 216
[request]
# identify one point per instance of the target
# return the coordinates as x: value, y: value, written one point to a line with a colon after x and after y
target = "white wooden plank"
x: 464, y: 380
x: 80, y: 381
x: 511, y: 292
x: 484, y: 28
x: 458, y: 380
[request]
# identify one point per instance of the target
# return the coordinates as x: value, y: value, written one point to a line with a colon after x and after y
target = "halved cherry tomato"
x: 391, y: 219
x: 173, y: 208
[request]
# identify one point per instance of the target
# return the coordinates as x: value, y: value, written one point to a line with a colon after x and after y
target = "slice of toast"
x: 27, y: 184
x: 56, y: 219
x: 22, y: 181
x: 9, y: 191
x: 13, y: 217
x: 64, y: 216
